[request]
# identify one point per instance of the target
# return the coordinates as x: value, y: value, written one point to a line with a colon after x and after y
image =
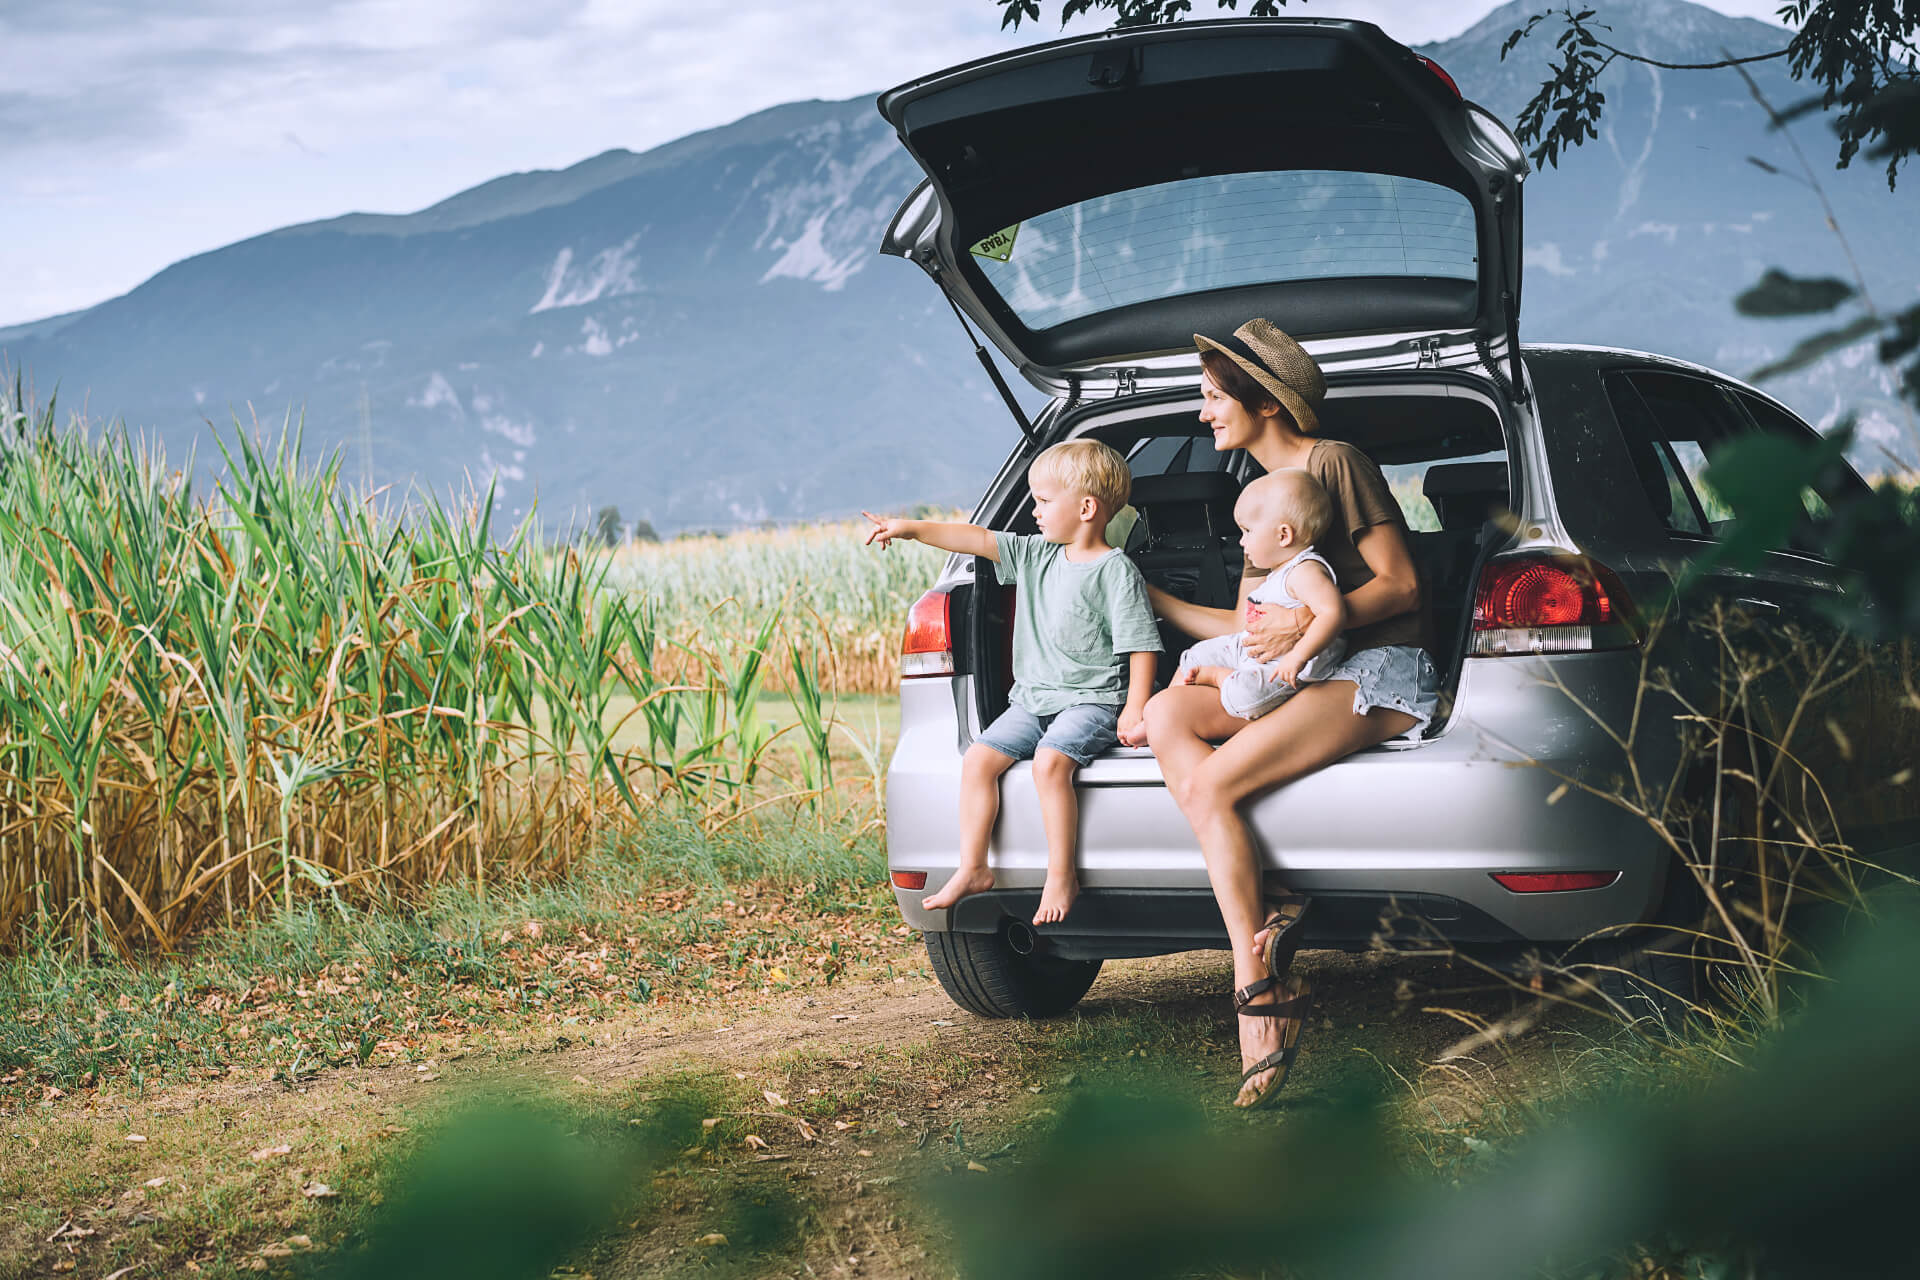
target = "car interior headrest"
x: 1465, y: 494
x: 1187, y: 504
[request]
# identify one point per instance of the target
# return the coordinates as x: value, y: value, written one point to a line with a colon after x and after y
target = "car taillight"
x: 909, y: 879
x: 1549, y: 604
x: 927, y: 649
x: 1436, y: 68
x: 1554, y: 881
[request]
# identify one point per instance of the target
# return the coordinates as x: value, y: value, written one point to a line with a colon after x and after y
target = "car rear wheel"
x: 1649, y: 977
x: 984, y: 974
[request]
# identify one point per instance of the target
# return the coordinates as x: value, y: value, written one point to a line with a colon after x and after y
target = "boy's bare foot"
x: 963, y: 882
x: 1056, y: 899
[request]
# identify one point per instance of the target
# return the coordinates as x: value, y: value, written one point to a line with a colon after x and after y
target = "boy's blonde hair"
x: 1296, y: 497
x: 1089, y: 467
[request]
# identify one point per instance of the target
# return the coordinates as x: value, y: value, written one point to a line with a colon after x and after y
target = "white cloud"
x: 438, y: 392
x: 1546, y: 257
x: 597, y: 343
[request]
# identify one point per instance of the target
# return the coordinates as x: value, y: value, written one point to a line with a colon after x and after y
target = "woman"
x: 1259, y: 394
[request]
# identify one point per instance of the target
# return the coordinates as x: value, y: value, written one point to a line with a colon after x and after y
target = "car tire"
x: 984, y: 974
x: 1649, y: 978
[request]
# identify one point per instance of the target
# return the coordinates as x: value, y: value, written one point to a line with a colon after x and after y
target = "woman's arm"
x: 1198, y: 621
x: 1395, y: 588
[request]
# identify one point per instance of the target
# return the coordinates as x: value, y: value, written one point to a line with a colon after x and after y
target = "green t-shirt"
x: 1073, y: 624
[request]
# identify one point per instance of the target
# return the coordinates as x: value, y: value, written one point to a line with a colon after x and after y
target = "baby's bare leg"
x: 980, y: 772
x: 1060, y: 812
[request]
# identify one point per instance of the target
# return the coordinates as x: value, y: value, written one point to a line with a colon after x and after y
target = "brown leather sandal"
x: 1284, y: 932
x: 1296, y: 1006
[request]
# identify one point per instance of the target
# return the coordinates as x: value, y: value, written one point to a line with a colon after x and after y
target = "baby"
x: 1279, y: 517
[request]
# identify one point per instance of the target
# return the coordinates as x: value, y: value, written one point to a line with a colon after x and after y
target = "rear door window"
x: 1672, y: 423
x: 1202, y: 234
x: 1825, y: 490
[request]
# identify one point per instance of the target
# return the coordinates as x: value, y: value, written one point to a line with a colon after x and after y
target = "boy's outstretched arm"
x: 966, y: 539
x: 1133, y: 716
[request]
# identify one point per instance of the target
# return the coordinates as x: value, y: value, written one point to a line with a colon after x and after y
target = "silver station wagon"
x: 1092, y: 203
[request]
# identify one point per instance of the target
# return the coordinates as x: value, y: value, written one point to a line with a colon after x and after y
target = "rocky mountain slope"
x: 704, y: 335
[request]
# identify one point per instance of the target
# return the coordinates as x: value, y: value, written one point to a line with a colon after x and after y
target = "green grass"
x: 657, y: 917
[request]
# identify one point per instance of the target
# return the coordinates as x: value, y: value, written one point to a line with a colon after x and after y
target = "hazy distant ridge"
x: 703, y: 333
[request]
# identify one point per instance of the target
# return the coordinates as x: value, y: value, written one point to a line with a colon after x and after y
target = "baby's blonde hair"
x: 1297, y: 498
x: 1089, y: 467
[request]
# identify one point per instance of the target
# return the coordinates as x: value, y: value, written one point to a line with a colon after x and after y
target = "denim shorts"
x: 1079, y: 733
x: 1399, y: 677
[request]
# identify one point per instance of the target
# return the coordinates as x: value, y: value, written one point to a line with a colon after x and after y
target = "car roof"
x: 1598, y: 354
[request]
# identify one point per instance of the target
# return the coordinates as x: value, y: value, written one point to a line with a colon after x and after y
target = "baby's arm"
x: 1314, y: 587
x: 966, y: 539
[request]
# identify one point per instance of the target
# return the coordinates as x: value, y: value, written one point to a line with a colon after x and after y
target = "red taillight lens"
x: 927, y: 649
x: 1436, y: 68
x: 1549, y: 604
x: 909, y: 879
x: 1537, y: 594
x: 1554, y: 882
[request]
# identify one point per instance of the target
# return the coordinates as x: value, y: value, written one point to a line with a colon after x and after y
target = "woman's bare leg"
x: 1060, y: 815
x: 980, y: 771
x: 1314, y: 728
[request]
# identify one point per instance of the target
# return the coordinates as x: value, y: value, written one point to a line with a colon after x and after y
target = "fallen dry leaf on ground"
x: 268, y: 1153
x: 755, y: 1141
x: 712, y: 1239
x: 318, y: 1191
x: 773, y: 1099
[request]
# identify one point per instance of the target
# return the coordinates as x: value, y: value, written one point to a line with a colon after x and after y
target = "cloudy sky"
x: 134, y: 133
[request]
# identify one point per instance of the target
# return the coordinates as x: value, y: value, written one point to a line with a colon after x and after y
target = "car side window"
x: 1671, y: 423
x: 1818, y: 496
x: 1174, y: 455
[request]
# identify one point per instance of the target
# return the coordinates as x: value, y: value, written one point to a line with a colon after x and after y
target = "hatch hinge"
x: 1113, y: 68
x: 1125, y: 382
x: 1427, y: 351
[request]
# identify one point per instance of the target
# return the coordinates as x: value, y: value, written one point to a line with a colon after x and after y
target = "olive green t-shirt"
x: 1361, y: 500
x: 1074, y: 624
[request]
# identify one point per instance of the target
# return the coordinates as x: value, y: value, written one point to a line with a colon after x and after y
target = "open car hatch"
x: 1093, y: 202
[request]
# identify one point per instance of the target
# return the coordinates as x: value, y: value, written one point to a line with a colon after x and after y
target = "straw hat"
x: 1277, y: 363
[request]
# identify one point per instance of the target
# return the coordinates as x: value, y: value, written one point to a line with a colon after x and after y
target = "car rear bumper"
x: 1417, y: 828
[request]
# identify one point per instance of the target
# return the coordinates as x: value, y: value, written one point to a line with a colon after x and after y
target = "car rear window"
x: 1198, y: 234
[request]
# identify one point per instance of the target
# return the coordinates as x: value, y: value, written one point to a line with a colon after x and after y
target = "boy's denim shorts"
x: 1080, y: 733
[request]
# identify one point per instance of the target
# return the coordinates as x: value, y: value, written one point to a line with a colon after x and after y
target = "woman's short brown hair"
x: 1240, y: 384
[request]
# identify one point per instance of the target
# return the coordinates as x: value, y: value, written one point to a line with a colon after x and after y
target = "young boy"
x: 1279, y: 517
x: 1083, y: 657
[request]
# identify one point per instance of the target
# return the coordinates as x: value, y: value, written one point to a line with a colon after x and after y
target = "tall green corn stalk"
x: 213, y: 705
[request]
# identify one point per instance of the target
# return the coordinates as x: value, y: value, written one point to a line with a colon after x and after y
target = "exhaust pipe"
x: 1020, y: 937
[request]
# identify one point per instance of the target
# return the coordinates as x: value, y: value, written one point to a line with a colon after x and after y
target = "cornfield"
x: 849, y: 597
x: 208, y: 707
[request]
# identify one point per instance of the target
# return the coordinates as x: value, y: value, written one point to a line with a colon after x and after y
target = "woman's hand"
x: 1273, y: 629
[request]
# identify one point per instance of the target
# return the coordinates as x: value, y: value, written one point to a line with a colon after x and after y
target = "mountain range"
x: 703, y: 334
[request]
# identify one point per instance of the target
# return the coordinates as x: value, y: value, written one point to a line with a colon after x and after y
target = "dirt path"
x: 892, y: 1074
